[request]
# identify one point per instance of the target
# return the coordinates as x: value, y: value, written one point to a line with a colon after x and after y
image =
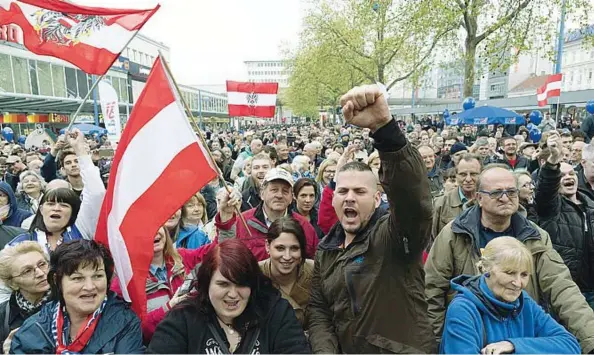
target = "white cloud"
x: 210, y: 39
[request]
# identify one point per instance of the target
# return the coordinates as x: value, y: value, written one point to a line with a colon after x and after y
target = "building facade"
x: 268, y: 71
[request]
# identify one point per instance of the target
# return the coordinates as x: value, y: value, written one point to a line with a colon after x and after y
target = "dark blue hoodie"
x: 16, y: 216
x: 475, y: 318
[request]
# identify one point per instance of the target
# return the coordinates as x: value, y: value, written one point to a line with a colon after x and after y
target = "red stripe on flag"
x: 257, y: 88
x: 555, y: 77
x: 256, y: 111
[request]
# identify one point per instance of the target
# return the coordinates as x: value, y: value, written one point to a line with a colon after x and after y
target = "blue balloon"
x: 590, y: 107
x: 530, y: 126
x: 469, y: 103
x: 535, y: 135
x: 536, y: 117
x: 446, y: 113
x: 22, y: 139
x: 8, y: 134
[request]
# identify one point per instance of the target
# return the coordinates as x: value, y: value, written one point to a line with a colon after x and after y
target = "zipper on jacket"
x: 405, y: 241
x: 585, y: 222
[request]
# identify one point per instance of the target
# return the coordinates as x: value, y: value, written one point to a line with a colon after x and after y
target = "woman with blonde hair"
x: 326, y: 173
x: 24, y: 269
x: 191, y: 224
x: 492, y: 314
x: 30, y: 190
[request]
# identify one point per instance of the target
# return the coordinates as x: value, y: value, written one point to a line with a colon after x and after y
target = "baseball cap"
x: 278, y: 174
x: 526, y: 145
x: 12, y: 159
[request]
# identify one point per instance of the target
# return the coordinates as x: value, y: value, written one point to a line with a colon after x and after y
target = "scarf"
x: 61, y: 330
x: 28, y: 307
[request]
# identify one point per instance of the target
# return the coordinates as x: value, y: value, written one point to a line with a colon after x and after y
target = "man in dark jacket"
x: 510, y: 156
x: 367, y: 288
x: 568, y: 216
x: 261, y: 164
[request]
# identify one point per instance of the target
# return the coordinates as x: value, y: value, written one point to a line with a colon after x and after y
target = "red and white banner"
x: 552, y: 88
x: 90, y: 38
x: 111, y: 110
x: 158, y: 166
x: 251, y: 99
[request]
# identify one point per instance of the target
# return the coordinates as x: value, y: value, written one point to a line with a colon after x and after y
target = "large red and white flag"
x: 158, y: 166
x: 91, y: 38
x: 251, y: 99
x: 552, y: 88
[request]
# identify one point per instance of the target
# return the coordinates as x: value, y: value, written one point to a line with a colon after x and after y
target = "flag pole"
x: 91, y: 89
x: 193, y: 120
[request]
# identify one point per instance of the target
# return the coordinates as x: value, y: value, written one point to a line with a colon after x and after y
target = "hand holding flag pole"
x: 193, y: 122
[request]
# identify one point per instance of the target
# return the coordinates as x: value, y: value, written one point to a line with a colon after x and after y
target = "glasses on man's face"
x: 29, y: 272
x: 497, y: 194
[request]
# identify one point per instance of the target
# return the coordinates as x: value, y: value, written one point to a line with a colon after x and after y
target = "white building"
x: 267, y: 71
x: 578, y: 62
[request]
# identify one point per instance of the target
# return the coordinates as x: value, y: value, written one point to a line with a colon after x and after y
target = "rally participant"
x: 326, y: 173
x: 456, y: 251
x: 305, y: 193
x: 261, y: 164
x: 61, y: 215
x: 277, y: 195
x: 254, y: 149
x: 10, y: 213
x: 492, y: 314
x: 368, y: 269
x: 510, y: 156
x: 568, y: 216
x: 287, y: 265
x: 235, y: 310
x: 82, y: 308
x: 450, y: 205
x: 30, y: 191
x: 23, y: 268
x: 433, y: 173
x: 191, y: 233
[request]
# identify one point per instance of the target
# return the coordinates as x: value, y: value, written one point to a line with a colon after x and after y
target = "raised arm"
x: 547, y: 198
x: 93, y: 189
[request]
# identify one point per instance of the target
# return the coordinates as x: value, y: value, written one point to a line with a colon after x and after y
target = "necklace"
x: 229, y: 326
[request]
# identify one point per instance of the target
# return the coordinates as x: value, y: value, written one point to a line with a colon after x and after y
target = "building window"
x: 72, y: 91
x: 21, y: 76
x: 58, y: 80
x: 115, y: 82
x: 83, y: 83
x: 6, y: 84
x: 44, y: 75
x: 33, y: 77
x: 124, y: 90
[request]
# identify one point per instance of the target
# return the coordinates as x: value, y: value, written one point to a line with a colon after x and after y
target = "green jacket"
x: 369, y: 296
x: 456, y: 252
x: 446, y: 209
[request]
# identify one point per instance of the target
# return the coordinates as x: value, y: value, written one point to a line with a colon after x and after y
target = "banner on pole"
x: 110, y: 110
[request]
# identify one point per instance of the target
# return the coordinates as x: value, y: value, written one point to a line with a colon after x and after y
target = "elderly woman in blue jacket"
x: 491, y: 313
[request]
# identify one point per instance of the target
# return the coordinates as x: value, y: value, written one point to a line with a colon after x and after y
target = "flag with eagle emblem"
x: 247, y: 99
x: 90, y: 38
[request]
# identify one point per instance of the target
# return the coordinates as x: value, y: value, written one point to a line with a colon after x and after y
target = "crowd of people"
x: 377, y: 236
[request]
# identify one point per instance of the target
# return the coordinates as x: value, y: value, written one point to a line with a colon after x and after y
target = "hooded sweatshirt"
x: 15, y: 216
x: 476, y: 318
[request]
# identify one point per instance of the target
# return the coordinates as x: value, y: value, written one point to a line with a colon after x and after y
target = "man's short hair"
x: 588, y: 152
x: 355, y: 166
x: 262, y: 156
x: 469, y: 157
x: 62, y: 156
x: 491, y: 167
x: 503, y: 139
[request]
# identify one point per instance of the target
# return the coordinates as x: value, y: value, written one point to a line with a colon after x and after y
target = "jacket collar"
x: 469, y: 221
x: 336, y: 236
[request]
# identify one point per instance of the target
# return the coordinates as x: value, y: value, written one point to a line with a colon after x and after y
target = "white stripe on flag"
x: 556, y: 85
x: 241, y: 98
x: 112, y: 38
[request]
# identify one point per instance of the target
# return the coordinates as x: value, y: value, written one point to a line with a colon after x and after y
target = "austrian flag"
x: 90, y: 38
x: 552, y: 88
x: 251, y: 99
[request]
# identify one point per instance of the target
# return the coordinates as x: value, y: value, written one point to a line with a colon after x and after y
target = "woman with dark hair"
x: 61, y: 216
x: 287, y: 265
x: 305, y: 192
x: 235, y: 310
x: 83, y: 317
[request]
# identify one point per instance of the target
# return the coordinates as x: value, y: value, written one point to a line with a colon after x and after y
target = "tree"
x: 348, y: 42
x: 499, y: 31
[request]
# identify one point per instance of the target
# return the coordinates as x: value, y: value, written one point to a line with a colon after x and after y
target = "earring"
x: 487, y: 274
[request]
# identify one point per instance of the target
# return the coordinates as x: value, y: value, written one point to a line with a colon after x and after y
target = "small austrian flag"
x: 251, y: 99
x: 552, y: 88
